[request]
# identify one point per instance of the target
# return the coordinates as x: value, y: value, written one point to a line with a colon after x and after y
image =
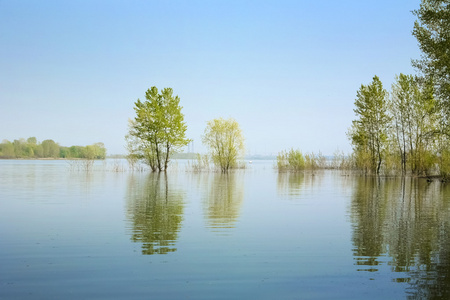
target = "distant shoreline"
x: 47, y: 158
x: 122, y: 157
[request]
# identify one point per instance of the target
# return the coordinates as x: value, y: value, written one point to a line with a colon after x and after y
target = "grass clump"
x: 292, y: 160
x: 201, y: 163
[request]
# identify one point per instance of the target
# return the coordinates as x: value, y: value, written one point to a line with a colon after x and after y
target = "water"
x: 70, y: 234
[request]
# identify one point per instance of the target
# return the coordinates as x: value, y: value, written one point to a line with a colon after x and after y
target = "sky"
x: 286, y: 71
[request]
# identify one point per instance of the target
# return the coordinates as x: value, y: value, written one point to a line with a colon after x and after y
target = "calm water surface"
x: 253, y: 234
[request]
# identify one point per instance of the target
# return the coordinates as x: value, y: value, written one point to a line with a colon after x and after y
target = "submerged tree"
x: 225, y: 142
x: 415, y: 120
x: 158, y: 130
x: 418, y: 138
x: 432, y: 33
x: 50, y: 148
x: 369, y: 132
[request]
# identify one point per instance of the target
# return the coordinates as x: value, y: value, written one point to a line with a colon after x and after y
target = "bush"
x: 292, y: 160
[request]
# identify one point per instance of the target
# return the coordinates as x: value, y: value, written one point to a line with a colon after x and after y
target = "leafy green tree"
x: 415, y: 121
x: 95, y: 151
x: 7, y: 149
x: 32, y: 140
x: 31, y: 147
x: 225, y: 142
x: 64, y: 152
x: 50, y: 149
x: 89, y: 152
x: 158, y: 129
x: 432, y: 29
x: 403, y: 93
x: 369, y: 132
x: 75, y: 152
x: 432, y: 32
x: 20, y: 148
x: 139, y: 149
x: 100, y: 150
x: 39, y: 151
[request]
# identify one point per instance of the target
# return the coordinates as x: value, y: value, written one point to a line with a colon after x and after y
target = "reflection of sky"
x: 63, y: 230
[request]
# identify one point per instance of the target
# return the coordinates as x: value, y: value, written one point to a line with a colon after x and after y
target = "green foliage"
x: 444, y: 164
x: 225, y: 142
x: 95, y: 151
x: 415, y: 121
x: 282, y: 160
x: 50, y: 149
x: 405, y: 134
x: 432, y: 32
x: 7, y: 149
x: 370, y: 131
x: 292, y: 160
x: 315, y: 161
x: 392, y: 162
x: 158, y: 130
x: 32, y: 140
x: 296, y: 160
x: 31, y: 148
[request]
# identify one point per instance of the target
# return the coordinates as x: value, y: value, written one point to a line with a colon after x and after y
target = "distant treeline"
x: 31, y: 148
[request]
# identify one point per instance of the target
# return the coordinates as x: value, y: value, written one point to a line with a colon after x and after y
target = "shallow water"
x: 70, y: 234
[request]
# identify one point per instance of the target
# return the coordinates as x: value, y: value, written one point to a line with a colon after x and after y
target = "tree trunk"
x: 166, y: 159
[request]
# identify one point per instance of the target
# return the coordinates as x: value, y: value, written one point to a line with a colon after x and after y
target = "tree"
x: 225, y: 142
x: 7, y: 149
x: 19, y: 148
x: 432, y: 32
x: 75, y: 152
x: 415, y: 121
x: 369, y: 132
x: 32, y: 140
x: 50, y: 149
x: 158, y: 130
x: 403, y: 93
x: 39, y: 151
x: 31, y: 146
x: 95, y: 151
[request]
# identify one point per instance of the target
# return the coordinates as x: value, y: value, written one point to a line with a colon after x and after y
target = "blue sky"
x: 287, y: 71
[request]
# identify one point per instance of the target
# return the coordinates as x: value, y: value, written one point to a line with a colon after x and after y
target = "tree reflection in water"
x: 294, y: 184
x: 223, y: 200
x: 155, y: 210
x: 404, y: 223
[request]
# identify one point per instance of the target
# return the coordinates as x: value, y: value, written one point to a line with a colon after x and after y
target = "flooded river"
x: 110, y: 233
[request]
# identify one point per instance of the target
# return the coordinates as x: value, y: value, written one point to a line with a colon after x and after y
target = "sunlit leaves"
x: 225, y: 142
x: 158, y: 130
x: 432, y: 32
x: 369, y: 131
